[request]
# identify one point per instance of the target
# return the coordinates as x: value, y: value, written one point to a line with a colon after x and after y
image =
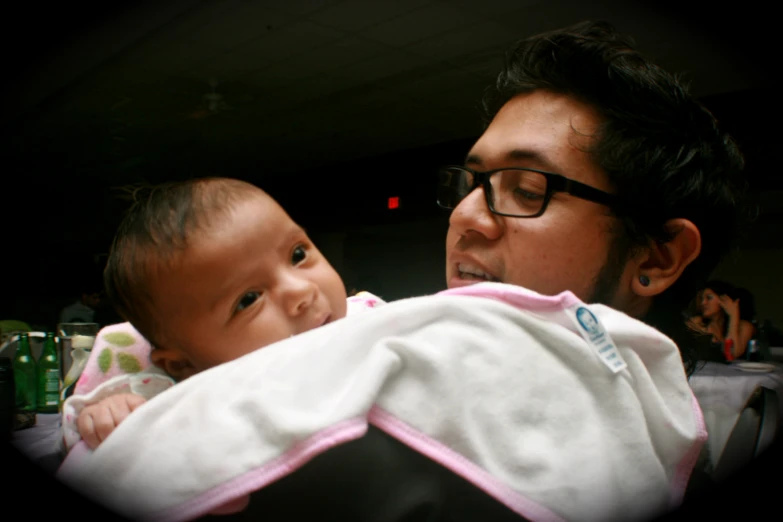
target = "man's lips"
x: 472, y: 272
x: 468, y: 269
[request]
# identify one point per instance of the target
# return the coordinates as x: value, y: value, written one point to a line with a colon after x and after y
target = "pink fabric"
x: 527, y: 300
x: 119, y: 349
x: 234, y: 506
x: 683, y: 473
x: 77, y: 452
x: 366, y: 300
x: 460, y: 465
x: 236, y: 491
x: 233, y: 495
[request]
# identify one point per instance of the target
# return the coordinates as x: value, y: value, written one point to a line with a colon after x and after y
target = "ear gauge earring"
x: 644, y: 280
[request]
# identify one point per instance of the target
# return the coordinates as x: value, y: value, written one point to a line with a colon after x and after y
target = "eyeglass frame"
x: 554, y: 183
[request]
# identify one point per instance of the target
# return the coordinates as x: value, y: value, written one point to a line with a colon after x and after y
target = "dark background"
x: 99, y: 96
x: 331, y: 160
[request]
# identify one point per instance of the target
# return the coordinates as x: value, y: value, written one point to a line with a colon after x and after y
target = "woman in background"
x: 719, y: 315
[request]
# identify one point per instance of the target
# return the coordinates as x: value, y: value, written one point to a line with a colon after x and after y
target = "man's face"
x: 568, y: 247
x: 254, y: 279
x: 92, y: 300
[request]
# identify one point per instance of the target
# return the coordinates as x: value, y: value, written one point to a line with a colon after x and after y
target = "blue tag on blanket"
x: 596, y: 335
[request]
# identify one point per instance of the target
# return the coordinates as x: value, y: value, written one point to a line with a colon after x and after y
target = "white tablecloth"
x: 722, y: 390
x: 39, y: 442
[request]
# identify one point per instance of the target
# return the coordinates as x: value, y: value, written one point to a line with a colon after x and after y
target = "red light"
x: 394, y: 203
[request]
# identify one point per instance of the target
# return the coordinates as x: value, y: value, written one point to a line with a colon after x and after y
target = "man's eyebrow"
x: 514, y: 155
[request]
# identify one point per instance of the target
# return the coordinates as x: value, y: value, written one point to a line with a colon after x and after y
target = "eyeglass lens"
x: 513, y: 192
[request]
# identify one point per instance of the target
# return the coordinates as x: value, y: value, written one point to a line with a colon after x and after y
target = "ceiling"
x: 162, y: 90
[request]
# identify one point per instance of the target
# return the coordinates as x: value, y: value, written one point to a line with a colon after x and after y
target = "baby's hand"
x: 97, y: 421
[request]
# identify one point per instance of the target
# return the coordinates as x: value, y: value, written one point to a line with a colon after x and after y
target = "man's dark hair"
x: 91, y: 283
x: 662, y: 151
x: 160, y: 223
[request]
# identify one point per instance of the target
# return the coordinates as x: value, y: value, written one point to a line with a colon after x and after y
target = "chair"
x: 755, y: 430
x: 770, y: 421
x: 12, y: 325
x: 8, y: 347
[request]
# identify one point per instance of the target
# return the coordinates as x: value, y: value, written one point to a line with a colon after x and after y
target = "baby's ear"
x: 175, y: 363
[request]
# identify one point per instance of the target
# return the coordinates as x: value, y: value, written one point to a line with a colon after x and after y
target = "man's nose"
x: 472, y: 214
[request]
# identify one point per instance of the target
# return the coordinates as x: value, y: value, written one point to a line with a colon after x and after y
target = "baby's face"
x: 252, y: 279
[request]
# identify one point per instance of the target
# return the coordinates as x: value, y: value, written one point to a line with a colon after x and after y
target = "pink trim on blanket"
x: 238, y: 489
x: 683, y: 472
x: 79, y: 451
x: 516, y: 295
x: 211, y: 501
x: 460, y: 465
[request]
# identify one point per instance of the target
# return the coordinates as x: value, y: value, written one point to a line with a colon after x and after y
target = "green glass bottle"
x: 48, y: 393
x: 24, y: 375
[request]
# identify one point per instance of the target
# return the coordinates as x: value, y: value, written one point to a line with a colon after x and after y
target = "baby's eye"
x: 247, y: 300
x: 298, y: 255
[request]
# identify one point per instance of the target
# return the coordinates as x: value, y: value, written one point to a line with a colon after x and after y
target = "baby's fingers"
x: 134, y: 401
x: 94, y: 426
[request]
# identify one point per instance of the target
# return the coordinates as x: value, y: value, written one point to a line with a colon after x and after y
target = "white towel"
x: 495, y: 382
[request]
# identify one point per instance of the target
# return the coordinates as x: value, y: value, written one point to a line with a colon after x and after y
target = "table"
x: 722, y: 391
x: 727, y: 384
x: 40, y: 442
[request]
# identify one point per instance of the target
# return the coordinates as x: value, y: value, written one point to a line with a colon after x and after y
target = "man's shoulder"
x: 77, y: 312
x: 411, y: 487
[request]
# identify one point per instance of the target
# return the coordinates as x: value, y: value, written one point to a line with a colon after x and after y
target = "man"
x: 83, y: 309
x: 597, y: 178
x: 580, y: 103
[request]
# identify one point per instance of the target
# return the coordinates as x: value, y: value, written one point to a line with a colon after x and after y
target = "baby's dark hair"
x: 158, y: 225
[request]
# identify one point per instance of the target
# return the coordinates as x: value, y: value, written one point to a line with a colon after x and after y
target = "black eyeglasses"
x: 514, y: 192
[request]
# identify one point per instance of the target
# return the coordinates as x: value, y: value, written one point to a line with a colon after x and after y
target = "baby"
x: 207, y: 271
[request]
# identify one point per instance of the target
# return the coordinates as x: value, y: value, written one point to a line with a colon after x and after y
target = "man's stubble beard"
x: 607, y: 281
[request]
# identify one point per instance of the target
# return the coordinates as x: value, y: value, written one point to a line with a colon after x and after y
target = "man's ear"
x: 663, y: 263
x: 173, y: 362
